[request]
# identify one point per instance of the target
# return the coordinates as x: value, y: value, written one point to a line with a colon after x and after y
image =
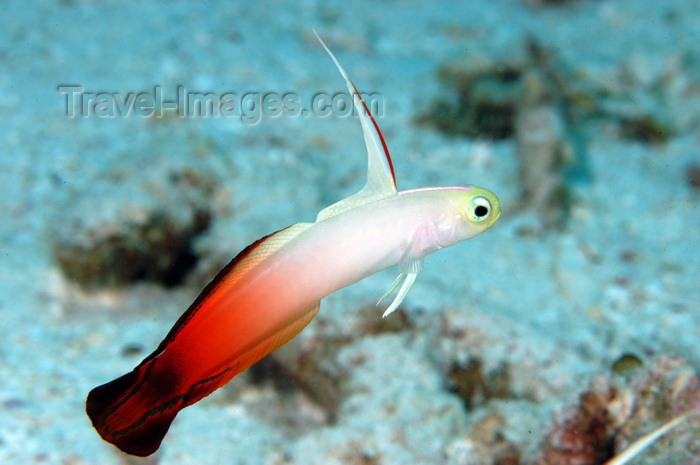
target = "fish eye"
x: 479, y: 209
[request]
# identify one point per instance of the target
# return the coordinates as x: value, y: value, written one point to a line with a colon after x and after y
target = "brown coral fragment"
x: 483, y: 102
x: 488, y: 431
x: 474, y: 386
x: 586, y: 436
x: 154, y: 248
x: 669, y: 388
x: 299, y: 367
x: 543, y: 152
x: 299, y: 401
x: 150, y: 238
x: 608, y: 419
x: 646, y: 128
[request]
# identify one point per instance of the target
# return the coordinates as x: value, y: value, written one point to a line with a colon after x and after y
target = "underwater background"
x: 558, y: 336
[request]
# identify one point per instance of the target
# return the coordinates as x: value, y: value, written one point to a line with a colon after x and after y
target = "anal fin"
x: 263, y: 345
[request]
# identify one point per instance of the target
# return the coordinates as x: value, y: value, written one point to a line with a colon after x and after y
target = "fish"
x: 272, y: 289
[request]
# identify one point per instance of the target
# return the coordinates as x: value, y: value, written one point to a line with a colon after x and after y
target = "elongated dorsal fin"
x: 381, y: 182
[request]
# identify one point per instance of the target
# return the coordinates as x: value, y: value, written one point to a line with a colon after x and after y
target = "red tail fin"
x: 135, y: 411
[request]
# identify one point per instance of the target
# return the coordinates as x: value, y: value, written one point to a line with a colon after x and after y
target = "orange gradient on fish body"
x: 272, y: 289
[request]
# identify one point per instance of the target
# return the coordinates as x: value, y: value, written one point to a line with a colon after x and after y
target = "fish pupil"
x: 481, y: 211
